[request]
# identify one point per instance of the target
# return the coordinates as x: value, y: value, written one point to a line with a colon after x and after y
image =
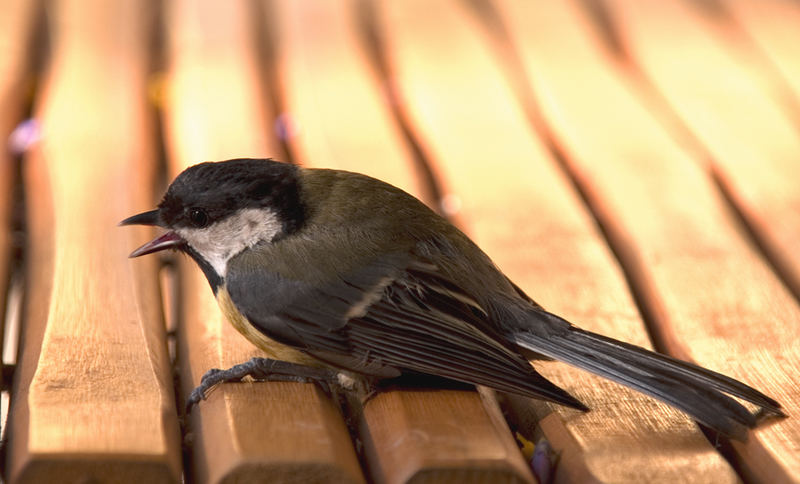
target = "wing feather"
x: 399, y: 312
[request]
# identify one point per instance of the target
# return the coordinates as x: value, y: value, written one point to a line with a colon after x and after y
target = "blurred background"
x: 632, y: 165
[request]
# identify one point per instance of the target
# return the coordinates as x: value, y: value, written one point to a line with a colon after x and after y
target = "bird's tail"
x: 699, y: 392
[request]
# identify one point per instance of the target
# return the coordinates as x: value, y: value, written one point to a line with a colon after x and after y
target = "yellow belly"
x: 273, y: 349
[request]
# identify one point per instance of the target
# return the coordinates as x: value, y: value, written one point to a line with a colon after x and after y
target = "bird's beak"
x: 145, y: 218
x: 162, y: 242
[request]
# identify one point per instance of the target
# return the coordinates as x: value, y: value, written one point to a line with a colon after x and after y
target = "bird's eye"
x: 198, y: 217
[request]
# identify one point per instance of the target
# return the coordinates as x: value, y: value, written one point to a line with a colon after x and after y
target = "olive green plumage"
x: 326, y: 267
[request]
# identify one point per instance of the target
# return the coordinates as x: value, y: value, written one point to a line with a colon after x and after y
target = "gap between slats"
x: 616, y: 241
x: 607, y: 33
x: 637, y: 279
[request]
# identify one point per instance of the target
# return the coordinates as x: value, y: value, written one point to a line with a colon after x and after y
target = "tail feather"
x: 689, y: 370
x: 699, y: 392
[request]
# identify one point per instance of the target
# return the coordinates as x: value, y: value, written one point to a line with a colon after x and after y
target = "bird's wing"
x: 397, y: 313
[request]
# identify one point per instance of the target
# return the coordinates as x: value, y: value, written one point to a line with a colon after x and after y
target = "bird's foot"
x: 262, y: 369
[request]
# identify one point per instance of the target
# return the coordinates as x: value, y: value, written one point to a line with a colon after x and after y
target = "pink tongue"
x: 165, y: 241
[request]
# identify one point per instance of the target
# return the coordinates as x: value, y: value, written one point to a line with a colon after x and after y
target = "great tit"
x: 332, y: 269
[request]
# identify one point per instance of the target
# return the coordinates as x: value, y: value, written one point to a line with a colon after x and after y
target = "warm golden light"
x: 631, y: 165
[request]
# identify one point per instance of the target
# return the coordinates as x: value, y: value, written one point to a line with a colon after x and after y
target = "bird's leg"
x: 263, y: 369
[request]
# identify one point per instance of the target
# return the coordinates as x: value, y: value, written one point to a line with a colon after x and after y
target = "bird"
x: 336, y: 275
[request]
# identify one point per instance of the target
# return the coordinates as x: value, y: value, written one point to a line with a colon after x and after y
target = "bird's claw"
x: 209, y: 375
x: 263, y: 369
x: 194, y: 398
x: 211, y: 378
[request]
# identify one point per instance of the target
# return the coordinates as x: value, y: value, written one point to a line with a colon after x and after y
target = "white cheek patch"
x: 220, y: 241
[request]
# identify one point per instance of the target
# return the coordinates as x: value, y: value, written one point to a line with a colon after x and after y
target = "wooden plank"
x: 754, y: 147
x: 708, y: 292
x: 772, y: 25
x: 99, y: 404
x: 752, y: 142
x: 216, y: 110
x: 345, y: 123
x: 442, y: 436
x: 16, y: 29
x: 523, y: 212
x: 332, y: 95
x: 722, y: 29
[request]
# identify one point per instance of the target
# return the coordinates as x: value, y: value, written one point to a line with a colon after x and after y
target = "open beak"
x: 145, y: 218
x: 166, y: 241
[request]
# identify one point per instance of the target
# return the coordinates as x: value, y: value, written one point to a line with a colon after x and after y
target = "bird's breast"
x: 273, y: 349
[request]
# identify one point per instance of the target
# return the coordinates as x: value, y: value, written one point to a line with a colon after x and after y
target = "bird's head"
x: 213, y: 211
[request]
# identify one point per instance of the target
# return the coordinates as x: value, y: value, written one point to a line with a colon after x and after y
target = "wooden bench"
x: 634, y: 166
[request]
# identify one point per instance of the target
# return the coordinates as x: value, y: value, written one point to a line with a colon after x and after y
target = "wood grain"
x: 93, y: 399
x: 16, y: 33
x: 333, y: 96
x: 99, y: 405
x: 345, y: 123
x: 523, y: 212
x: 438, y: 436
x: 721, y: 94
x: 216, y: 110
x: 16, y: 37
x: 711, y: 296
x: 772, y: 26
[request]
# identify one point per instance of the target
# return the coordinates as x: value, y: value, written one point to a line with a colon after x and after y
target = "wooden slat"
x: 344, y: 123
x: 707, y: 290
x: 95, y: 400
x: 772, y: 25
x: 721, y: 98
x: 522, y: 210
x: 216, y: 110
x: 441, y: 436
x: 333, y: 97
x: 721, y: 28
x: 16, y: 25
